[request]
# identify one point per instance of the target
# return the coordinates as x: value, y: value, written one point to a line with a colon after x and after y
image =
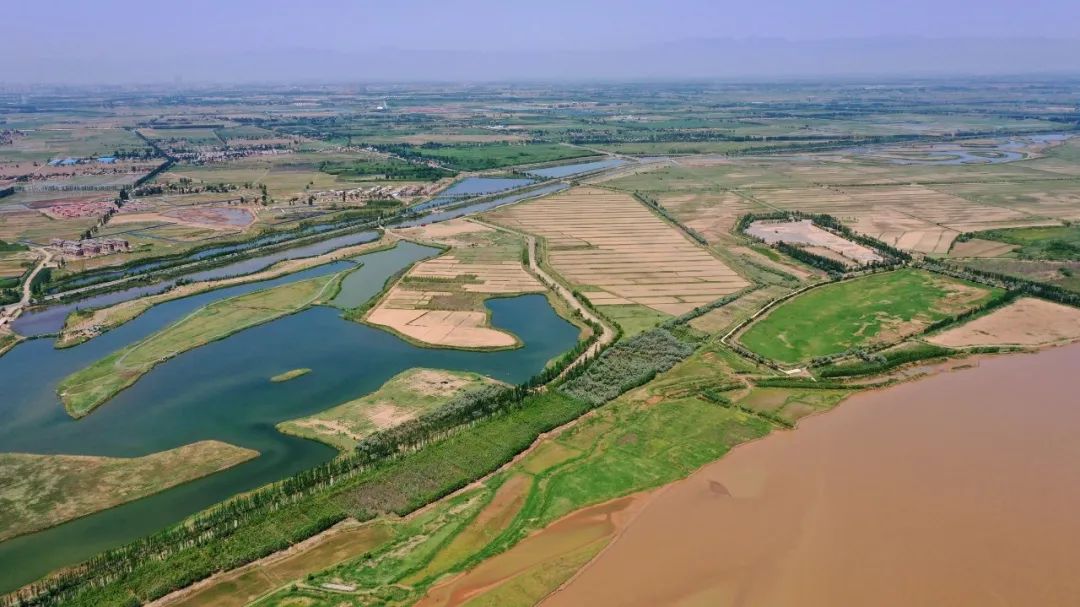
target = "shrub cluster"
x: 627, y: 365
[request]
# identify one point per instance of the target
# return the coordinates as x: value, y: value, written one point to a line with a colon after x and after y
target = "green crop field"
x: 880, y: 308
x: 493, y: 156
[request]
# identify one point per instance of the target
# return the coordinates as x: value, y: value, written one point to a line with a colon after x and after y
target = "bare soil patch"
x: 804, y: 232
x: 1026, y: 322
x: 977, y: 247
x: 613, y: 243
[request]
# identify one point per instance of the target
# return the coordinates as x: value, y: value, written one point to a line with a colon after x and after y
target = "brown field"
x: 459, y: 329
x: 440, y: 301
x: 1027, y: 322
x: 621, y: 253
x: 18, y: 223
x: 724, y: 318
x: 806, y: 233
x: 712, y: 214
x: 15, y: 263
x: 910, y: 217
x: 977, y: 247
x: 920, y: 208
x: 238, y: 587
x: 215, y: 218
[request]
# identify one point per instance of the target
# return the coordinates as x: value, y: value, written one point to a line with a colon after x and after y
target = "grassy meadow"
x: 497, y: 155
x: 46, y: 490
x: 402, y: 397
x: 1054, y: 243
x: 876, y: 309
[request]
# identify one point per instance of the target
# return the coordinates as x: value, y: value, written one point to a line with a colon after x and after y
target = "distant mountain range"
x: 752, y: 58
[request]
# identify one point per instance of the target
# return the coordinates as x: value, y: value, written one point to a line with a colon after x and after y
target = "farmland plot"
x: 440, y: 301
x: 619, y: 253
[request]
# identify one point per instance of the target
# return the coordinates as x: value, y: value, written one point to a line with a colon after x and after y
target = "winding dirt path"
x: 607, y: 334
x: 10, y: 312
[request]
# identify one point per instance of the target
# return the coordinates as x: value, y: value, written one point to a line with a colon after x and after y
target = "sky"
x: 131, y: 40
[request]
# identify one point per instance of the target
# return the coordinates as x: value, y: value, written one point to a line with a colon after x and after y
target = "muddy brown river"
x: 960, y: 489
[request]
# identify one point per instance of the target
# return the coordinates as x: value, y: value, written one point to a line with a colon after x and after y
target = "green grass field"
x: 633, y: 319
x: 880, y: 308
x: 88, y: 388
x: 497, y: 155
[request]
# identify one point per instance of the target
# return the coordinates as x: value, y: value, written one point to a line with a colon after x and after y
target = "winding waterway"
x: 51, y: 319
x: 222, y: 391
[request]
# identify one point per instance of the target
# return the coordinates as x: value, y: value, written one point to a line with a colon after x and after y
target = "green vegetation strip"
x: 1059, y: 243
x: 286, y: 376
x: 40, y: 491
x: 479, y: 157
x: 84, y: 390
x: 402, y: 397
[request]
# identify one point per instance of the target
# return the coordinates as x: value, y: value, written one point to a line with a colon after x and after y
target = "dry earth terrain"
x: 400, y: 399
x: 806, y: 233
x: 1026, y: 322
x: 620, y: 253
x: 440, y: 301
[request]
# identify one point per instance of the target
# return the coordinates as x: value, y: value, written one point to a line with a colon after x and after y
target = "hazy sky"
x: 56, y: 38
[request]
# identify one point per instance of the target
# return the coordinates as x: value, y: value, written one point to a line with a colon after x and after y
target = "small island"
x: 286, y: 376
